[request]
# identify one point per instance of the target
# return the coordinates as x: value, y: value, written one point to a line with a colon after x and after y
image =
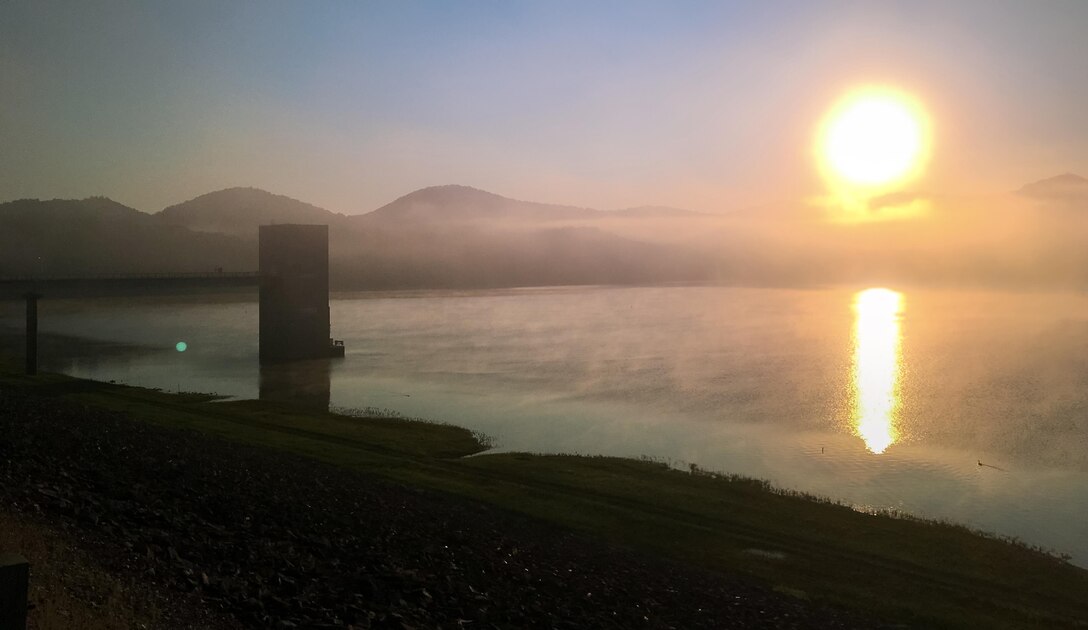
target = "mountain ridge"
x: 97, y: 235
x: 248, y: 208
x: 456, y: 202
x: 1061, y: 186
x: 457, y: 236
x: 435, y: 237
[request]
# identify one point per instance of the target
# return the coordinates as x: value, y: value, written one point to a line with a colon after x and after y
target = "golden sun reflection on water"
x: 876, y: 366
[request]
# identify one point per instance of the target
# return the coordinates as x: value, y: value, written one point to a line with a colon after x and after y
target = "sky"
x: 711, y: 106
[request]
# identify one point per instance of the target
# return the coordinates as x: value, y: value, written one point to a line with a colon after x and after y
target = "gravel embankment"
x: 280, y: 541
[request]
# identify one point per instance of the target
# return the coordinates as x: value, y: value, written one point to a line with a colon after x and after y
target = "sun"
x: 874, y: 138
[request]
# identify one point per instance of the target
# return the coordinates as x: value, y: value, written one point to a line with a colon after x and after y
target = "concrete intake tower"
x: 294, y: 293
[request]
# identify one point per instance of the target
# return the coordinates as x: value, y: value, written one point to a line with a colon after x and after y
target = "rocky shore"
x: 276, y: 540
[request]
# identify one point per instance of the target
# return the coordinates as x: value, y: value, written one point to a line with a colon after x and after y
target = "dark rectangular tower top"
x: 293, y: 248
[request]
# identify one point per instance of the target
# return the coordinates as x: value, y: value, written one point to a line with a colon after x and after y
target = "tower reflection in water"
x: 876, y: 367
x: 300, y: 383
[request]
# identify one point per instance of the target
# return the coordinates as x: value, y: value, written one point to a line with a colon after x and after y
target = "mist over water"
x: 761, y: 382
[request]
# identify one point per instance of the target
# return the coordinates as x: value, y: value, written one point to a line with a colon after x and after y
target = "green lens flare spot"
x: 181, y: 346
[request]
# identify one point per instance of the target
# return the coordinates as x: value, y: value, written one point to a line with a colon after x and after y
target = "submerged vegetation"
x: 917, y: 572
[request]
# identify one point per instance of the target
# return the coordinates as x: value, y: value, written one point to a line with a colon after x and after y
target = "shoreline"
x: 904, y: 569
x: 59, y: 342
x: 277, y: 539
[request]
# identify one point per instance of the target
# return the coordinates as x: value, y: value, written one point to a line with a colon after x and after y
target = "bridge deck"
x: 107, y: 285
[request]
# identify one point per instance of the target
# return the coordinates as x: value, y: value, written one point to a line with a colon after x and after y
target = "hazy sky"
x: 348, y: 105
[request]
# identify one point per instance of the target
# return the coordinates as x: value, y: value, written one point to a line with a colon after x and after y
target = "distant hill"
x: 438, y: 237
x: 462, y: 237
x: 1063, y: 187
x: 458, y: 236
x: 98, y: 236
x: 29, y: 212
x: 238, y: 212
x: 463, y: 204
x: 458, y: 204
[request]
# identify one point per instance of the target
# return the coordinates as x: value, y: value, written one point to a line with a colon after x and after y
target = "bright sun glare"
x: 874, y: 138
x: 876, y: 367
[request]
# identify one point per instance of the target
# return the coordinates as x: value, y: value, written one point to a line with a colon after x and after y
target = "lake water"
x: 884, y: 399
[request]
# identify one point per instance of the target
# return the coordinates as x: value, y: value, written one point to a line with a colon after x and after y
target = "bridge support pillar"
x: 14, y: 577
x: 31, y: 333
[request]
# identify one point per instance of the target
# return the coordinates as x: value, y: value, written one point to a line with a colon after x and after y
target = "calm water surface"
x: 882, y: 398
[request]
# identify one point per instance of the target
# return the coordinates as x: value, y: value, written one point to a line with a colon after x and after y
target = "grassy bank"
x: 920, y: 573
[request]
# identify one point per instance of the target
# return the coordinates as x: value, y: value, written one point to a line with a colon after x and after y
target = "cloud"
x: 898, y: 206
x: 849, y: 205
